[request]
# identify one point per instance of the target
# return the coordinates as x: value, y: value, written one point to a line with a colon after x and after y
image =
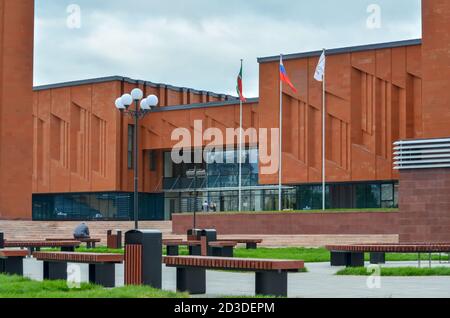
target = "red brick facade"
x: 292, y: 223
x: 424, y: 205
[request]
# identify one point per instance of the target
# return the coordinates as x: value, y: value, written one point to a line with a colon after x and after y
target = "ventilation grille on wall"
x: 422, y: 154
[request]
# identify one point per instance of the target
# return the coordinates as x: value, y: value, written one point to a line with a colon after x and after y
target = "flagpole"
x: 240, y: 147
x: 280, y: 164
x: 324, y: 130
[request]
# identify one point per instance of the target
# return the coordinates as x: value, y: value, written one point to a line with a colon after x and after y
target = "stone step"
x: 37, y: 230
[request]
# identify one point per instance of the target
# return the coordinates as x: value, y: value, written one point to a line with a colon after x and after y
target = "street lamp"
x: 142, y: 108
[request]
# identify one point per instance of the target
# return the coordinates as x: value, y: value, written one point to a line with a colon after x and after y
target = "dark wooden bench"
x: 102, y: 270
x: 200, y: 248
x: 90, y: 242
x: 250, y: 244
x: 271, y: 275
x: 65, y: 246
x: 353, y: 255
x: 11, y: 261
x: 222, y: 248
x: 173, y: 247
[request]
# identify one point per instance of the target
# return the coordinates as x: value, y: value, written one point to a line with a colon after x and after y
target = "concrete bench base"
x: 347, y: 259
x: 271, y: 283
x: 195, y: 250
x: 251, y: 246
x: 173, y: 250
x: 99, y: 274
x: 12, y: 266
x: 223, y: 251
x: 193, y: 281
x: 377, y: 258
x: 103, y: 274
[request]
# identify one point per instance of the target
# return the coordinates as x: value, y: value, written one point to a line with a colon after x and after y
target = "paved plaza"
x: 319, y: 282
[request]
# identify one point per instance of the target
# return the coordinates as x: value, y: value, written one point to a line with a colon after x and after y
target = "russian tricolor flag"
x: 284, y: 77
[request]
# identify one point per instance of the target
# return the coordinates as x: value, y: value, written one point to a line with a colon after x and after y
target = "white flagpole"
x: 280, y: 164
x: 324, y: 130
x: 240, y: 147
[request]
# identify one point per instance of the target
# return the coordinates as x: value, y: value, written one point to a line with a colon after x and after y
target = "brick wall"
x: 424, y: 205
x: 370, y: 223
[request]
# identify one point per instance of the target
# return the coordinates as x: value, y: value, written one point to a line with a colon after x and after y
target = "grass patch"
x: 309, y: 255
x: 397, y: 271
x: 20, y: 287
x: 101, y: 250
x: 318, y: 255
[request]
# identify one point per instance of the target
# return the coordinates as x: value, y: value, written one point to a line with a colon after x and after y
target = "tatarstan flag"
x: 239, y: 88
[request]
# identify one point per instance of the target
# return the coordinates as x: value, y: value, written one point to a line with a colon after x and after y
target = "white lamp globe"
x: 152, y: 101
x: 119, y: 104
x: 126, y: 99
x: 137, y: 94
x: 144, y: 104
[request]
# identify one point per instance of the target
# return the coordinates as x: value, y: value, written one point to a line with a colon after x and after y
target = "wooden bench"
x: 271, y: 275
x: 102, y: 270
x: 11, y: 261
x: 250, y: 244
x: 199, y: 248
x: 222, y: 248
x: 353, y: 255
x: 66, y: 246
x: 173, y: 247
x: 90, y: 242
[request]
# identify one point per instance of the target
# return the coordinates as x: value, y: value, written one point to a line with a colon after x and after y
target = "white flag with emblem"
x: 320, y: 70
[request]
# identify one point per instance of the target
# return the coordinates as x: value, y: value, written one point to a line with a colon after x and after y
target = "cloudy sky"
x: 198, y: 43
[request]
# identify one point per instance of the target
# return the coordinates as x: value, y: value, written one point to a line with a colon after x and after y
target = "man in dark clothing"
x: 81, y: 231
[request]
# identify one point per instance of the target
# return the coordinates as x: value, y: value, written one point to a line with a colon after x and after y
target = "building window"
x: 152, y: 160
x: 130, y: 147
x: 96, y: 206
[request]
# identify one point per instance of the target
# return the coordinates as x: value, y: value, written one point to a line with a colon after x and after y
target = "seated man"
x: 81, y: 231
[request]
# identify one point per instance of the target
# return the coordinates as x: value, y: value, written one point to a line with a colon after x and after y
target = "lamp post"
x: 142, y: 108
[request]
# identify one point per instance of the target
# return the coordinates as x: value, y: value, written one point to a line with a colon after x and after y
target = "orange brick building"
x: 81, y: 164
x: 16, y: 126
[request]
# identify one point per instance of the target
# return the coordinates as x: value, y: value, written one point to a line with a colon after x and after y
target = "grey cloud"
x: 198, y: 43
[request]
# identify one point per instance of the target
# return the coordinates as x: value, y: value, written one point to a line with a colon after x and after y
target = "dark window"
x: 130, y: 148
x: 96, y: 206
x: 152, y: 159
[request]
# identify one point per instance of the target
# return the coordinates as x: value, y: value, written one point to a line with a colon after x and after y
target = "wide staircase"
x: 36, y: 230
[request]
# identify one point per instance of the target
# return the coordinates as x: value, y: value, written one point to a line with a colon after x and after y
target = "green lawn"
x: 397, y: 271
x: 100, y: 249
x: 315, y: 255
x: 19, y: 287
x: 309, y: 255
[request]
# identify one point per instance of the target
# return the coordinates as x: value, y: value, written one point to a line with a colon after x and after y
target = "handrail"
x: 175, y: 183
